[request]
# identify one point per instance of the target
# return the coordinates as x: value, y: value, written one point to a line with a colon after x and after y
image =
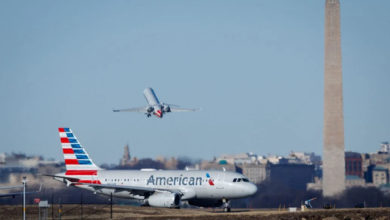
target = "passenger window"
x: 234, y: 180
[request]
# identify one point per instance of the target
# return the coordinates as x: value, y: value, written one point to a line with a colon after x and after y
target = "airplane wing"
x: 10, y: 194
x: 11, y: 187
x: 138, y: 109
x: 19, y: 193
x: 136, y: 190
x: 177, y: 109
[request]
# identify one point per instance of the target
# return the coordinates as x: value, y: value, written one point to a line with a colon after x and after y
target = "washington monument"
x: 333, y: 181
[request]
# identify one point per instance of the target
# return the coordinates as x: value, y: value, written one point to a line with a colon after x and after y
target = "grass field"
x: 133, y: 212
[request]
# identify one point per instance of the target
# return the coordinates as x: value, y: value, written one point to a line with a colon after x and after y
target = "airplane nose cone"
x: 251, y: 189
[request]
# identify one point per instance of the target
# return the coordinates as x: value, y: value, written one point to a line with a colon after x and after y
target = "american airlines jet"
x: 155, y: 107
x: 158, y: 188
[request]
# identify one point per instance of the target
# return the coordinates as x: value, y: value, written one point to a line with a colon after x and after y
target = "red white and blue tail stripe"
x: 77, y: 161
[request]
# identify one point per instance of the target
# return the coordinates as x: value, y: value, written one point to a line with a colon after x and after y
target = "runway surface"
x: 132, y: 212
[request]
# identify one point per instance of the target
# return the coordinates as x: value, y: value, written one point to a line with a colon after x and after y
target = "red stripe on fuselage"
x: 81, y: 172
x: 158, y: 113
x: 71, y: 161
x: 90, y: 181
x: 67, y: 151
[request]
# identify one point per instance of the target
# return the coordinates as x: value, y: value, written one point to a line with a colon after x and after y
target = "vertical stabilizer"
x: 77, y: 160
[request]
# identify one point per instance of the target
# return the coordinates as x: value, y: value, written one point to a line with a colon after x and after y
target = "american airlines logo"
x: 177, y: 181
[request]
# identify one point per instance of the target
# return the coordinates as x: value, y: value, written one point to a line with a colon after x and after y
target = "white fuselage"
x: 192, y: 184
x: 152, y: 100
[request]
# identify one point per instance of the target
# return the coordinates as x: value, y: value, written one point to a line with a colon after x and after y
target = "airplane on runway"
x: 157, y: 188
x: 14, y: 194
x: 155, y: 107
x: 9, y: 188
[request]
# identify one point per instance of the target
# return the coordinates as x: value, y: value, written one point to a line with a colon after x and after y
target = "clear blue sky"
x: 255, y: 68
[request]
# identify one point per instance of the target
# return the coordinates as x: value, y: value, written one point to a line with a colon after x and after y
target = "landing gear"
x: 148, y: 115
x: 226, y: 205
x: 145, y: 203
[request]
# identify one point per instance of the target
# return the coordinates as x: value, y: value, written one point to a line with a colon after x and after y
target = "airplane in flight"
x: 157, y: 188
x: 155, y: 107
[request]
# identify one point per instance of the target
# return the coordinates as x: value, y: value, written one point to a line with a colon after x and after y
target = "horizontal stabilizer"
x: 175, y: 109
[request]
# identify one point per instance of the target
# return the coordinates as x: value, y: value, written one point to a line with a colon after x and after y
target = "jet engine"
x: 150, y: 109
x: 164, y: 199
x: 166, y: 108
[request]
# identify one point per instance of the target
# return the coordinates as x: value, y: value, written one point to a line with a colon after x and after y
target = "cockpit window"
x: 240, y: 179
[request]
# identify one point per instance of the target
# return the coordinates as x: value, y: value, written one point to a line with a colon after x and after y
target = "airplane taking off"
x: 155, y: 107
x: 157, y: 188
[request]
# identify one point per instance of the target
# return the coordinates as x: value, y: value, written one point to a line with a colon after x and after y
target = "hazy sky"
x: 255, y: 68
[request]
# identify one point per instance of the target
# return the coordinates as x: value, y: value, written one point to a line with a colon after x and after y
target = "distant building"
x: 237, y: 158
x: 213, y: 165
x: 352, y: 181
x: 379, y: 176
x: 353, y: 164
x: 18, y: 164
x: 256, y: 172
x: 365, y: 162
x: 385, y: 148
x: 2, y: 158
x: 275, y: 159
x: 295, y: 176
x: 303, y: 157
x: 169, y: 164
x: 379, y: 158
x: 126, y: 157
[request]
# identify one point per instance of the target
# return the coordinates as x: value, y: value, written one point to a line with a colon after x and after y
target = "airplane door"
x: 220, y: 181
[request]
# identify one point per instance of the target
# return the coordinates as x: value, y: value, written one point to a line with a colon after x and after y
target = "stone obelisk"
x: 333, y: 182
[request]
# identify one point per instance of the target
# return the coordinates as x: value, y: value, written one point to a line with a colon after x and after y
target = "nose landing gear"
x: 226, y: 205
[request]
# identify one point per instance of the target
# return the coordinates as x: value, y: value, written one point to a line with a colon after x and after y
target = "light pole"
x: 24, y: 197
